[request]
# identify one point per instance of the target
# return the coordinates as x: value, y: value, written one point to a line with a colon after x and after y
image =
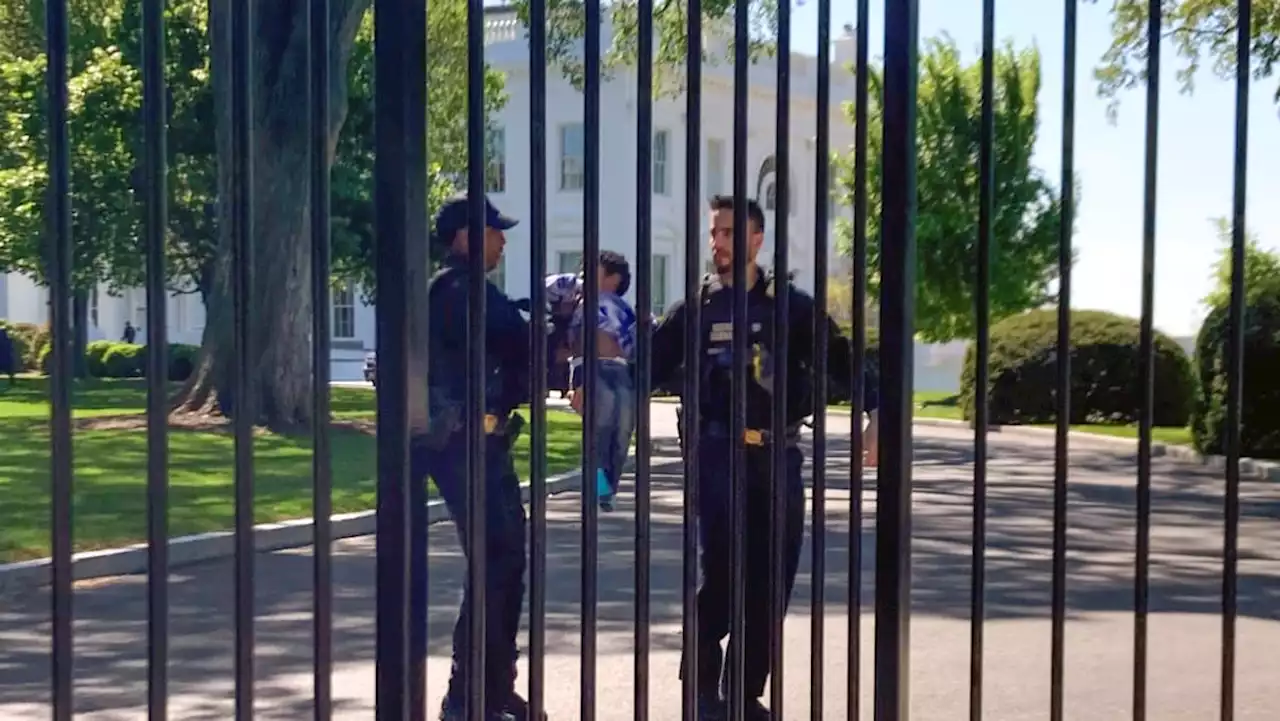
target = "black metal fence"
x: 401, y: 262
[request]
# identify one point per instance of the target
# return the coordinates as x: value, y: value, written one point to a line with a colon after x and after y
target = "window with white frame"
x: 658, y: 288
x: 344, y: 311
x: 715, y: 167
x: 498, y: 276
x: 93, y: 307
x: 572, y: 156
x: 495, y: 175
x: 569, y: 261
x: 661, y: 181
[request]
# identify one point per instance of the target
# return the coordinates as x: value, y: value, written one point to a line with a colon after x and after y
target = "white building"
x: 506, y: 50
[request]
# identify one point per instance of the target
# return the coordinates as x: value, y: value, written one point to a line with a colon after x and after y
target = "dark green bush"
x: 1260, y: 409
x: 124, y: 360
x: 95, y: 353
x: 182, y: 360
x: 1105, y: 367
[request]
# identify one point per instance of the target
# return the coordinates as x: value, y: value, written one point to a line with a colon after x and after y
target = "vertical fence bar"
x: 392, y: 198
x: 245, y: 405
x: 538, y: 345
x: 893, y: 494
x: 644, y: 319
x: 477, y: 494
x: 692, y: 386
x: 1063, y: 392
x: 1235, y: 354
x: 857, y: 383
x: 738, y: 395
x: 321, y: 461
x: 155, y: 130
x: 60, y: 259
x: 781, y: 370
x: 590, y: 311
x: 1147, y: 368
x: 821, y: 224
x: 982, y: 309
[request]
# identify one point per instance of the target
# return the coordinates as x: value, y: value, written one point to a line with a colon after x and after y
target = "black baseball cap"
x: 455, y: 215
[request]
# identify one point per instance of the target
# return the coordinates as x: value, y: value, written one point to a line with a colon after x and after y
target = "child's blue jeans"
x: 615, y: 419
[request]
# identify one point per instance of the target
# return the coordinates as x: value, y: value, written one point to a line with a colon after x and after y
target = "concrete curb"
x: 1249, y: 467
x: 186, y: 550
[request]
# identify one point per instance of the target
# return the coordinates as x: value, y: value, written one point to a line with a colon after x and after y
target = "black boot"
x: 753, y: 710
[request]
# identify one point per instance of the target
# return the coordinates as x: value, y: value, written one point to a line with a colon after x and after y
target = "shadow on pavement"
x: 110, y: 640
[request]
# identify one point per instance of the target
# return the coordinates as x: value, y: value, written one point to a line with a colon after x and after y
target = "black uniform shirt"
x: 715, y: 364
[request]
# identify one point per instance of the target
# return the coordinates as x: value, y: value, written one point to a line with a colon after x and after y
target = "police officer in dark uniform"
x: 439, y: 451
x: 715, y: 364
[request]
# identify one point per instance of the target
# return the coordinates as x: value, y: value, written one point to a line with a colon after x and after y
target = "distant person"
x: 130, y: 333
x: 8, y: 358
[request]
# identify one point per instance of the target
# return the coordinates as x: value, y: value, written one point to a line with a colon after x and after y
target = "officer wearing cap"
x: 714, y: 363
x: 440, y: 451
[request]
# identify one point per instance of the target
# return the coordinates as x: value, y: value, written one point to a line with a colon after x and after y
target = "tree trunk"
x: 280, y: 304
x: 80, y: 345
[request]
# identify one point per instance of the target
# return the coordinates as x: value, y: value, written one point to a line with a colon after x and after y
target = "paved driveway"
x: 110, y: 668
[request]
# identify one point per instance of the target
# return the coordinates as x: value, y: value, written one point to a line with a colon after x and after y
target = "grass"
x: 110, y: 466
x: 947, y: 405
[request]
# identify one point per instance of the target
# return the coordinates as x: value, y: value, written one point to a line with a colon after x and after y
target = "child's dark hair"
x: 614, y: 263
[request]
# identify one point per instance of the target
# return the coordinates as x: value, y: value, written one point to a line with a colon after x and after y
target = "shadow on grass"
x: 110, y: 471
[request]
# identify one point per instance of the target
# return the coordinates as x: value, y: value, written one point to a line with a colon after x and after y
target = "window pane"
x: 660, y: 162
x: 495, y: 180
x: 571, y: 156
x: 344, y: 312
x: 569, y: 261
x: 715, y: 167
x: 658, y: 289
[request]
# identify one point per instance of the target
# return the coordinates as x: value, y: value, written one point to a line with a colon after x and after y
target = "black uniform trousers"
x: 715, y: 535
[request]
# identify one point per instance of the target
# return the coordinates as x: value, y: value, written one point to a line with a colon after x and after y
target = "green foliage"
x: 1027, y: 208
x: 352, y: 180
x: 26, y: 339
x: 1199, y: 30
x: 107, y: 144
x: 1260, y: 409
x: 1105, y: 363
x: 105, y: 128
x: 1261, y: 269
x: 116, y: 359
x: 566, y: 29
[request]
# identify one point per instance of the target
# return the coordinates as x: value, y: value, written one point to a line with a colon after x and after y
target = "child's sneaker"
x: 603, y: 490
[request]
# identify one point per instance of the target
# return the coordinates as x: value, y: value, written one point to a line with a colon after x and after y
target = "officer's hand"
x: 575, y: 401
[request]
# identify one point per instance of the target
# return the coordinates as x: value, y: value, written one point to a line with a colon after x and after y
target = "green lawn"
x: 947, y: 405
x: 110, y: 468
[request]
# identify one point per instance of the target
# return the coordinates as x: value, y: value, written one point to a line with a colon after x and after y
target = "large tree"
x: 1198, y: 30
x: 1027, y: 211
x: 281, y: 332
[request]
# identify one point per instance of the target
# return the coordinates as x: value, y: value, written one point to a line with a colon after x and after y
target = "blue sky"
x: 1196, y: 143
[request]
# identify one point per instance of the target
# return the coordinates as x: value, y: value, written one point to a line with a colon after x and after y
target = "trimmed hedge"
x: 28, y: 340
x: 1105, y: 367
x: 115, y: 359
x: 1260, y: 409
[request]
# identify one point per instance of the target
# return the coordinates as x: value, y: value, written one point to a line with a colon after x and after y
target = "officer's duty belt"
x: 755, y: 437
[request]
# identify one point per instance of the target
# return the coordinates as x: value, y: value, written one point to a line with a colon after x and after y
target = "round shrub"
x: 95, y: 354
x: 1260, y: 407
x: 124, y: 360
x: 1105, y: 371
x: 182, y: 360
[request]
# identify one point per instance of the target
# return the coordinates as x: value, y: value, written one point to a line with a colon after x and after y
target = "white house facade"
x: 508, y: 181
